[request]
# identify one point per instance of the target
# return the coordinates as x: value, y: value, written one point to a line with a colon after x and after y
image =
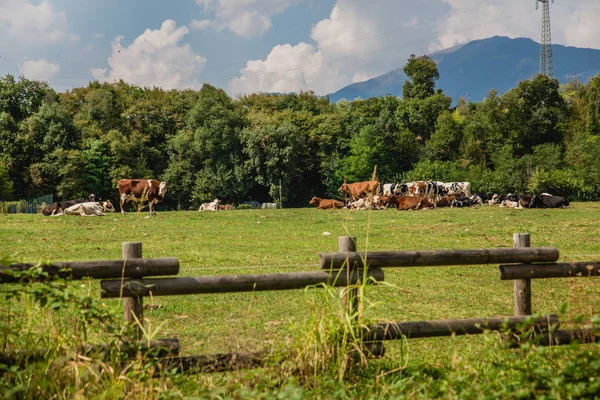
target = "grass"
x: 265, y: 241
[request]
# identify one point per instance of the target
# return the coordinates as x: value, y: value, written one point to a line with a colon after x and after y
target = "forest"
x: 538, y: 137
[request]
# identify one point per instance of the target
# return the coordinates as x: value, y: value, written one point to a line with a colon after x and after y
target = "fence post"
x: 522, y: 286
x: 351, y: 300
x: 347, y: 244
x: 133, y: 306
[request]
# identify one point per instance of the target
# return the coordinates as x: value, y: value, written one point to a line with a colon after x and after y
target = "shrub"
x: 560, y: 182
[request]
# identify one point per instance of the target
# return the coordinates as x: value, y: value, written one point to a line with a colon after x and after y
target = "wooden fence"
x: 131, y: 279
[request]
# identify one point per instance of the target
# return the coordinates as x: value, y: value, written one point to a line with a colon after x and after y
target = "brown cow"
x: 360, y: 189
x: 326, y: 204
x: 445, y: 201
x: 140, y: 190
x: 411, y: 203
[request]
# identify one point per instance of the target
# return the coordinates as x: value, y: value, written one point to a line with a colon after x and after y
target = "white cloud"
x: 358, y: 41
x: 154, y: 59
x: 40, y: 69
x: 98, y: 35
x: 200, y: 25
x: 26, y: 21
x: 288, y: 69
x: 248, y: 18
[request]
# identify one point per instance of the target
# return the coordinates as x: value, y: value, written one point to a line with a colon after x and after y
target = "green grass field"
x: 266, y: 241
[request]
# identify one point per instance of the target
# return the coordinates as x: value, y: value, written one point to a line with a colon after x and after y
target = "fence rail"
x: 471, y: 326
x: 233, y: 283
x: 545, y: 271
x: 426, y: 258
x: 131, y: 268
x: 345, y: 268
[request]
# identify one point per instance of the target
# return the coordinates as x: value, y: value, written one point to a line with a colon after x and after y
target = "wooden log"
x: 381, y: 259
x: 567, y: 336
x: 522, y: 287
x: 554, y: 270
x: 471, y: 326
x: 374, y: 349
x: 133, y: 306
x: 156, y: 348
x: 231, y: 283
x: 213, y: 362
x: 105, y: 269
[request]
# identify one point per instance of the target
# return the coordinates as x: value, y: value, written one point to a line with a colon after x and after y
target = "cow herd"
x: 426, y: 195
x: 136, y: 190
x: 368, y: 195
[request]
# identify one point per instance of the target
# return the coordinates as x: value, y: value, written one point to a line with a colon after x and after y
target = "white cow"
x: 88, y: 209
x: 362, y: 204
x: 212, y: 206
x: 511, y: 204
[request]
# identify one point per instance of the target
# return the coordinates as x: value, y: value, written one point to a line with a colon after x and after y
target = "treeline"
x: 537, y: 137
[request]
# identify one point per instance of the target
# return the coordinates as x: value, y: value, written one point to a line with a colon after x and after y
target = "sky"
x: 247, y: 46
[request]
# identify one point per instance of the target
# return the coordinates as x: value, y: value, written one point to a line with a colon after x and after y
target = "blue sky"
x: 248, y: 46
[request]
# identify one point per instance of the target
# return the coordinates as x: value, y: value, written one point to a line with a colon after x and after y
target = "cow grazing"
x: 88, y: 209
x: 548, y: 201
x: 326, y: 204
x: 360, y: 189
x: 141, y: 190
x: 411, y: 203
x: 212, y: 206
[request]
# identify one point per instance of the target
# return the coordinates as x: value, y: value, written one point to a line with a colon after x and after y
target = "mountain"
x: 472, y: 69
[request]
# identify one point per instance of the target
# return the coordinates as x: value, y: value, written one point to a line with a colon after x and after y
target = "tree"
x: 446, y: 139
x: 6, y: 185
x: 422, y: 72
x: 536, y: 113
x: 278, y: 153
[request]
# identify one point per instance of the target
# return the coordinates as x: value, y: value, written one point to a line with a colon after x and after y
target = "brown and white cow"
x: 411, y: 203
x: 140, y: 190
x: 326, y: 204
x: 360, y: 189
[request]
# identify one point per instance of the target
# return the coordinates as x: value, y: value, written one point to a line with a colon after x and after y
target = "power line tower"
x: 546, y: 43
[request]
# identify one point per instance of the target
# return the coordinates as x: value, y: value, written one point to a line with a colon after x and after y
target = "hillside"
x: 473, y: 69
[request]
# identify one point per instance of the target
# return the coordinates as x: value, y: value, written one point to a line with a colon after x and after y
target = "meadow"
x: 266, y: 241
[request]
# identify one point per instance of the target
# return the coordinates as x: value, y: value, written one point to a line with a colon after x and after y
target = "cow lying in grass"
x: 411, y: 203
x: 326, y: 204
x: 212, y: 206
x: 88, y: 209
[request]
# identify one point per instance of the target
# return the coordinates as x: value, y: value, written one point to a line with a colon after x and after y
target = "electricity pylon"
x: 546, y: 43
